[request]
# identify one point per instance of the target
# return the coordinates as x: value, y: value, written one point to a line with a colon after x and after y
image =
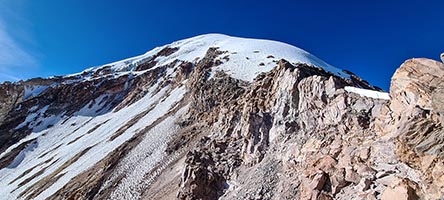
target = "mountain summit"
x: 242, y: 58
x: 220, y: 117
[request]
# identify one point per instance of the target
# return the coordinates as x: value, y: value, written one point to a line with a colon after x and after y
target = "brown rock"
x: 438, y: 174
x: 318, y: 181
x: 365, y: 171
x: 338, y: 181
x: 351, y: 176
x: 401, y: 191
x: 413, y: 84
x: 389, y: 180
x: 326, y: 164
x: 364, y: 184
x: 324, y: 196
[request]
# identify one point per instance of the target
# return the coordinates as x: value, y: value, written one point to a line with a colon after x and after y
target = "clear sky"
x: 369, y: 38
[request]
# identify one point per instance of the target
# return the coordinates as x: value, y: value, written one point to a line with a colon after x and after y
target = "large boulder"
x: 415, y: 85
x: 416, y: 110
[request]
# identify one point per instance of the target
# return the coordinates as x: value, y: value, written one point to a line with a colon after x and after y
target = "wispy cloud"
x: 15, y: 59
x: 11, y: 53
x: 8, y: 76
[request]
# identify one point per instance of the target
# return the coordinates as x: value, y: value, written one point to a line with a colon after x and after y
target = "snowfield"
x: 58, y: 145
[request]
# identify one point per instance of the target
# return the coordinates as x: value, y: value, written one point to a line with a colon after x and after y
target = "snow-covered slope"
x: 243, y: 58
x: 71, y: 125
x: 88, y: 136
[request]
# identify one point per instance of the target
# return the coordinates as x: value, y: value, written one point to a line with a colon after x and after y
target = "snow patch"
x: 95, y: 107
x: 33, y: 91
x: 32, y: 118
x: 368, y: 93
x: 21, y: 156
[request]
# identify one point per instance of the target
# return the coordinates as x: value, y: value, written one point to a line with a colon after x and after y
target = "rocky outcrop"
x: 415, y: 120
x: 10, y: 95
x: 304, y: 137
x: 292, y: 111
x: 152, y: 61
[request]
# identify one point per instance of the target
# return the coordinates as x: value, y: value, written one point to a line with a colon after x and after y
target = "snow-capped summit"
x: 243, y: 58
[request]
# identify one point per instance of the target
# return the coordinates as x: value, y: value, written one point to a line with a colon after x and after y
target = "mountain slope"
x: 207, y: 117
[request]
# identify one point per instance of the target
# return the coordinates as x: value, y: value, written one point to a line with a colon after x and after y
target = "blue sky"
x: 369, y: 38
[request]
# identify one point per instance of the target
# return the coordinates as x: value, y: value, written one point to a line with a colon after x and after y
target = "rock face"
x: 169, y: 126
x: 416, y: 120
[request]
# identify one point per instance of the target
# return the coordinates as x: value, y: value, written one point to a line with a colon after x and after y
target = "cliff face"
x: 176, y: 124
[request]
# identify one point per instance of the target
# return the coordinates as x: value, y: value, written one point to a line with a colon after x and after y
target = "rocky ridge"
x: 194, y: 132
